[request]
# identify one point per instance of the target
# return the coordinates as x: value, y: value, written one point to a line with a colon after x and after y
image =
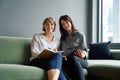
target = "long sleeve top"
x: 75, y: 41
x: 39, y: 43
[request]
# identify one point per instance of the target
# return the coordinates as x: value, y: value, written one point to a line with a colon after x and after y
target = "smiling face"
x: 66, y: 25
x: 49, y: 25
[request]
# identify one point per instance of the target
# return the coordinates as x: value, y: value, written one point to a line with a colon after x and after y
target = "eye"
x: 52, y: 24
x: 63, y: 24
x: 67, y: 22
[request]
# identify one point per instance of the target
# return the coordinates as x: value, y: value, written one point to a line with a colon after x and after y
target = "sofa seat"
x: 21, y: 72
x: 104, y: 69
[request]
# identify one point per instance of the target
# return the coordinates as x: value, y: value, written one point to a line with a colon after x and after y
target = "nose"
x: 48, y: 25
x: 65, y: 25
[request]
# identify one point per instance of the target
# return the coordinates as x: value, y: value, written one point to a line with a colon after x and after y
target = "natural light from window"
x: 111, y: 21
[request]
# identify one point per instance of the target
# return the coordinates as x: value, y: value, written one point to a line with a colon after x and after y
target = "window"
x: 111, y: 21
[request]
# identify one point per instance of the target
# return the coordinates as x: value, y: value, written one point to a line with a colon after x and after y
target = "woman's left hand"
x: 79, y: 53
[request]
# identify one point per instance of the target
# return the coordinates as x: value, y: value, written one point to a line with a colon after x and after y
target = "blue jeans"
x: 55, y: 62
x: 74, y: 67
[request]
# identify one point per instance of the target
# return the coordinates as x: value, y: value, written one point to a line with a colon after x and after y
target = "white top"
x: 39, y: 43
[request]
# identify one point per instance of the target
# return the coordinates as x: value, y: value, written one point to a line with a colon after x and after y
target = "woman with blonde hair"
x: 46, y: 40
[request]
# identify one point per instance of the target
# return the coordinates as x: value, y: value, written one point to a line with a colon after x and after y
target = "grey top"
x: 75, y: 41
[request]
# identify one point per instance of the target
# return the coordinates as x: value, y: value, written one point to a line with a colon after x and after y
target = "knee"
x: 57, y: 56
x: 55, y: 61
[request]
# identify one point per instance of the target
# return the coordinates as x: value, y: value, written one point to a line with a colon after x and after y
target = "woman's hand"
x: 65, y: 57
x: 62, y: 52
x: 55, y: 49
x: 79, y: 53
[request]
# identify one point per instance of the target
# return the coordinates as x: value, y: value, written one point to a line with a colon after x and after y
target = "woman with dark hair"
x: 73, y: 43
x: 46, y: 40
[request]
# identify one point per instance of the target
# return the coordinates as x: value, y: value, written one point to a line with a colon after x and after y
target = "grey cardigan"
x: 75, y: 41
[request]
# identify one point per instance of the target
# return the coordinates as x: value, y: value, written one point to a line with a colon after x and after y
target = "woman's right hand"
x: 79, y: 53
x: 65, y: 57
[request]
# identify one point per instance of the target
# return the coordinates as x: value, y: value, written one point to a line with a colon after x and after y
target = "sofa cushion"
x: 108, y: 69
x: 99, y: 50
x: 15, y: 50
x: 21, y: 72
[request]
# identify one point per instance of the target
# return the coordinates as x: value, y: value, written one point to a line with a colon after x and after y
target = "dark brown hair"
x: 62, y: 30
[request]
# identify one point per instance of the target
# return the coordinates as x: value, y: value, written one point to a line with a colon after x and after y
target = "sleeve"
x: 35, y: 46
x: 82, y: 43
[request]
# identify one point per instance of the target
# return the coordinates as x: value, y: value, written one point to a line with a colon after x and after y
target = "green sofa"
x: 14, y: 60
x: 14, y: 63
x: 105, y: 69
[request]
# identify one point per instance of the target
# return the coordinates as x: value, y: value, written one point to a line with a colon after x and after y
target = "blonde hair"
x: 49, y: 20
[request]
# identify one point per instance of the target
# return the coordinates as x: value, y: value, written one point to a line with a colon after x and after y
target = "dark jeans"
x: 55, y: 62
x: 74, y: 67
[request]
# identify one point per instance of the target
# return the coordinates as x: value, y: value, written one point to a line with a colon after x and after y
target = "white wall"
x: 23, y: 18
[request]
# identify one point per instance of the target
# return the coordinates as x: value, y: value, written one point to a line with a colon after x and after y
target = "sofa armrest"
x: 115, y: 54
